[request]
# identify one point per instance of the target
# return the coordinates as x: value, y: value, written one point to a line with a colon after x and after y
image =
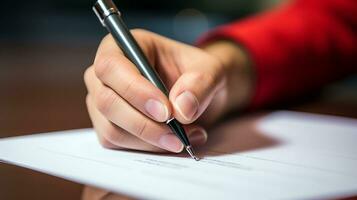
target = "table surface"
x: 44, y: 91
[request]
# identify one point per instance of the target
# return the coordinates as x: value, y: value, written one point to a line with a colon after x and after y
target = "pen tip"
x: 190, y: 151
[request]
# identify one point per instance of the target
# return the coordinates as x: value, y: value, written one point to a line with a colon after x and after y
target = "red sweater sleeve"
x: 296, y: 48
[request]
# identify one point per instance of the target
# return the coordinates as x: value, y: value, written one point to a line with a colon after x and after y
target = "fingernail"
x: 157, y: 110
x: 198, y: 136
x: 171, y: 143
x: 186, y: 103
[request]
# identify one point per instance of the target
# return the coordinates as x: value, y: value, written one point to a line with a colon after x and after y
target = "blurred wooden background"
x: 41, y: 90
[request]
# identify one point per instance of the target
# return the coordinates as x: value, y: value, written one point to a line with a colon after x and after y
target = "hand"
x: 127, y: 111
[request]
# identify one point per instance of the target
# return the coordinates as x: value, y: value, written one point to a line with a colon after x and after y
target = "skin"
x: 205, y: 83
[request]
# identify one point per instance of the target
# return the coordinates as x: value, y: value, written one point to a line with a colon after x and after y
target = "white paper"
x: 282, y: 155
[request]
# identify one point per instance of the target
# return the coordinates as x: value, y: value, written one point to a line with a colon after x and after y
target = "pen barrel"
x: 132, y: 51
x: 177, y: 129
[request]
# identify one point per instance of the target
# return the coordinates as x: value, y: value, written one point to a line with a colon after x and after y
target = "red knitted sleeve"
x: 296, y: 48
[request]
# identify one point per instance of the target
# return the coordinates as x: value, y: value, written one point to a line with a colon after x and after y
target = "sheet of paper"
x: 282, y: 155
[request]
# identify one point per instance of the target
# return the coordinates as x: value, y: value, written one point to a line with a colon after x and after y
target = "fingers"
x: 119, y: 125
x: 120, y: 74
x: 112, y: 136
x: 193, y: 92
x: 118, y: 111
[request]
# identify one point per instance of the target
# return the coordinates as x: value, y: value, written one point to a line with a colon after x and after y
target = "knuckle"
x: 104, y: 65
x: 106, y: 38
x: 142, y: 35
x: 211, y: 78
x: 141, y: 128
x: 139, y: 32
x: 198, y: 76
x: 105, y: 99
x: 129, y: 91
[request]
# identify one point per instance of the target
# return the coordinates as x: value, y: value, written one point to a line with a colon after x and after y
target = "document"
x: 280, y: 155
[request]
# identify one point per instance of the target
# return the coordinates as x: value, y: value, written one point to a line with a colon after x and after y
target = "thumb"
x: 193, y: 92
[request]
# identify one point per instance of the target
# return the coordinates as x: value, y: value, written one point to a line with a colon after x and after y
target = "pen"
x: 110, y: 17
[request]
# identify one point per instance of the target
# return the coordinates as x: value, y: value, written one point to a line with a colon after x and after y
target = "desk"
x: 43, y: 91
x: 41, y: 95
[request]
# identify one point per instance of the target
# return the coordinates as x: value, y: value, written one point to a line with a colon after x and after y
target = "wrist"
x: 237, y: 71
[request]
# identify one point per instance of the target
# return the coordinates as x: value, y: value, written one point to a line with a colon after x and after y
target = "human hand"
x: 127, y: 111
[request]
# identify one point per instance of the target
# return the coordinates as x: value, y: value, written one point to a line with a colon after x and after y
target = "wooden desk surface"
x: 42, y: 90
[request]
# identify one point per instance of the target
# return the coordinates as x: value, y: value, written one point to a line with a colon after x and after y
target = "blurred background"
x: 46, y: 45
